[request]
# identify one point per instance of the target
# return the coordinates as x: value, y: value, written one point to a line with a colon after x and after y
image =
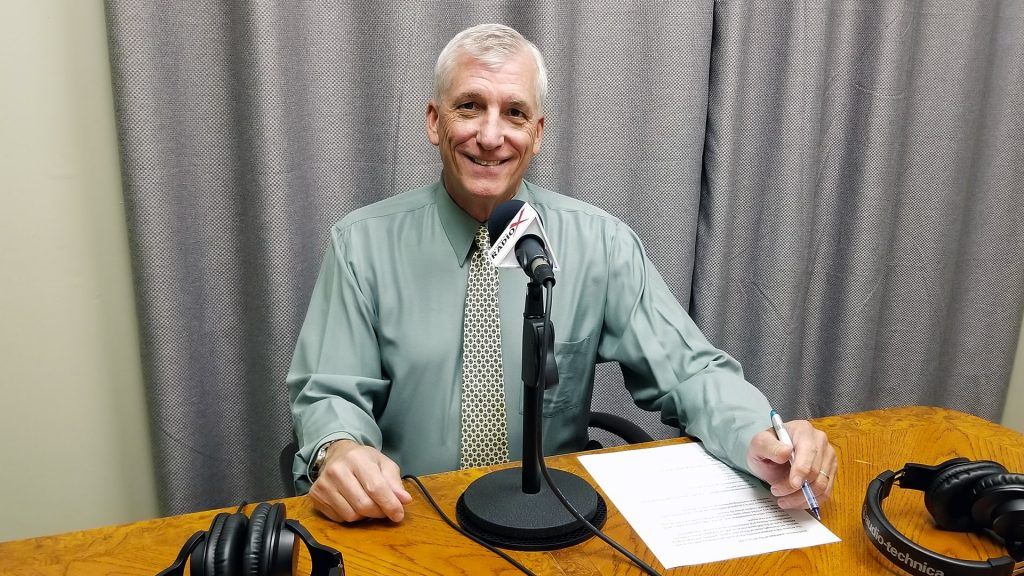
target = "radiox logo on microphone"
x: 509, y: 232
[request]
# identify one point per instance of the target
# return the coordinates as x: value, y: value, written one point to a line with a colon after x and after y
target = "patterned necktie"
x: 484, y: 433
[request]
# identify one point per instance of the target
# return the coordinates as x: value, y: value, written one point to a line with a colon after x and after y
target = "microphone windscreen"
x: 501, y: 216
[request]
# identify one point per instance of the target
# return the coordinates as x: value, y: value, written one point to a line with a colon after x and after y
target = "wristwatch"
x: 318, y: 461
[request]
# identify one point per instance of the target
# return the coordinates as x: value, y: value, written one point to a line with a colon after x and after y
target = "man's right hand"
x: 358, y: 482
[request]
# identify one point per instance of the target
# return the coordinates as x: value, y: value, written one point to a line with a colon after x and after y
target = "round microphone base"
x: 495, y: 509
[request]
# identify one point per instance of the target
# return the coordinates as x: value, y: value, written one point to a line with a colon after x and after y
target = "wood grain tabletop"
x: 867, y: 444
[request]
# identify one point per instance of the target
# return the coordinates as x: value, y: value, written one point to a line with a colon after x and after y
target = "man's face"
x: 487, y: 127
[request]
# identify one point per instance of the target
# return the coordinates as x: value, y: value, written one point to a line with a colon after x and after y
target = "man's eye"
x: 516, y: 113
x: 467, y: 106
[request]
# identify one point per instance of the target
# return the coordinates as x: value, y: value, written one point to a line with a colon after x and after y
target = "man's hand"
x: 815, y: 461
x: 359, y: 482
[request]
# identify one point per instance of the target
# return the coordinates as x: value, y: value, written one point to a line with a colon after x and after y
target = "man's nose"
x: 490, y: 134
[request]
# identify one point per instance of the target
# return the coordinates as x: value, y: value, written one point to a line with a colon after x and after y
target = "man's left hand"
x: 769, y: 459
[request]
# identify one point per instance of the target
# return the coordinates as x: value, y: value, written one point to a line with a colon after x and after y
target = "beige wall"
x: 1013, y: 412
x: 74, y: 441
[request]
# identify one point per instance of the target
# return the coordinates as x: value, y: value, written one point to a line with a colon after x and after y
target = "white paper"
x: 690, y: 508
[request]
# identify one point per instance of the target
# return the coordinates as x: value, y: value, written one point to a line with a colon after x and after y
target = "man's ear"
x: 432, y: 117
x: 540, y: 134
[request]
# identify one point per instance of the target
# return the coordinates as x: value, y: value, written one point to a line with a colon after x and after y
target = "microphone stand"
x: 535, y: 382
x: 514, y: 509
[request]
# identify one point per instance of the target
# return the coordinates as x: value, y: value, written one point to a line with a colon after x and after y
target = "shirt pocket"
x: 574, y: 363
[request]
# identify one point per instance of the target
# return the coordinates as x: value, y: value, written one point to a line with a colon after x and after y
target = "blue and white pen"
x: 780, y: 431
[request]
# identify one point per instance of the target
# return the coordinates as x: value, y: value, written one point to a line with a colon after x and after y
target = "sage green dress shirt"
x: 378, y: 359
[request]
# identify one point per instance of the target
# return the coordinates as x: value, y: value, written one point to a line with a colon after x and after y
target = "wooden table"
x: 867, y: 443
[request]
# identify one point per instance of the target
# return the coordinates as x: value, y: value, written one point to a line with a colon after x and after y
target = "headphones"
x: 260, y: 545
x: 962, y: 496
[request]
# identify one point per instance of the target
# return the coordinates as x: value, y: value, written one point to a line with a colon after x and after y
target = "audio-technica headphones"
x: 260, y: 545
x: 962, y: 496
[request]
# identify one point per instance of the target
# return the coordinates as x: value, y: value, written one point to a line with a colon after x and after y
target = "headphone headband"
x: 903, y: 552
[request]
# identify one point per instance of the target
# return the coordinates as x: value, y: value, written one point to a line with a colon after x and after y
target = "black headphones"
x: 260, y: 545
x: 962, y: 496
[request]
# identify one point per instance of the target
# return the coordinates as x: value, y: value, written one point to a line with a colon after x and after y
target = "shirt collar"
x: 459, y: 226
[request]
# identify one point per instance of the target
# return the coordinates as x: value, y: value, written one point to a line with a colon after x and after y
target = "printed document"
x: 690, y: 508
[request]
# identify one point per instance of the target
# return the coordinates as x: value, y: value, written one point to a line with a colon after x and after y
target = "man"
x: 382, y: 376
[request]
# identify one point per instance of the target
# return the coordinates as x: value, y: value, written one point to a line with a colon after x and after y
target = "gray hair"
x: 492, y: 45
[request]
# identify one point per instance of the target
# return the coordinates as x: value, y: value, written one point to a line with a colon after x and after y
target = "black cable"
x: 459, y: 529
x: 544, y: 469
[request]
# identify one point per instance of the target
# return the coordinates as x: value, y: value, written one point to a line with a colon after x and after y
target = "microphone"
x: 512, y: 221
x: 512, y: 507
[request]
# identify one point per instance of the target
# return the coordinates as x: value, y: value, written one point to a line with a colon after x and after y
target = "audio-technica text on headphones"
x: 962, y: 496
x: 262, y: 544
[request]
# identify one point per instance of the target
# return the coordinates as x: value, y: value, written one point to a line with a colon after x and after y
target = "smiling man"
x: 409, y: 356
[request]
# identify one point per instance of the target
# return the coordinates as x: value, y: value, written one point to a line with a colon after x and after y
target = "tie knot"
x: 483, y: 240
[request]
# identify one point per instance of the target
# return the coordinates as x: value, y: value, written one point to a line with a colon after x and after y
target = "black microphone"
x: 530, y: 252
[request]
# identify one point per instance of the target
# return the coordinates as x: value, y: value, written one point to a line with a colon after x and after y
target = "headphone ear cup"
x: 197, y: 560
x: 224, y: 554
x: 255, y: 557
x: 998, y: 504
x: 280, y: 552
x: 948, y: 497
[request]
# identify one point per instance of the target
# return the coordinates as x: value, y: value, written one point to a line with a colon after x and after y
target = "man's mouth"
x: 479, y: 162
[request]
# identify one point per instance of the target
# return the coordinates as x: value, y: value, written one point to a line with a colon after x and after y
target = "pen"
x: 780, y: 431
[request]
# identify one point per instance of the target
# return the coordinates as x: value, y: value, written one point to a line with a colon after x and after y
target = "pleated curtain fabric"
x: 851, y: 225
x: 861, y: 232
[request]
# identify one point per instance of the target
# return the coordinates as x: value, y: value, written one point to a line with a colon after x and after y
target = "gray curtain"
x: 861, y: 234
x: 248, y: 128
